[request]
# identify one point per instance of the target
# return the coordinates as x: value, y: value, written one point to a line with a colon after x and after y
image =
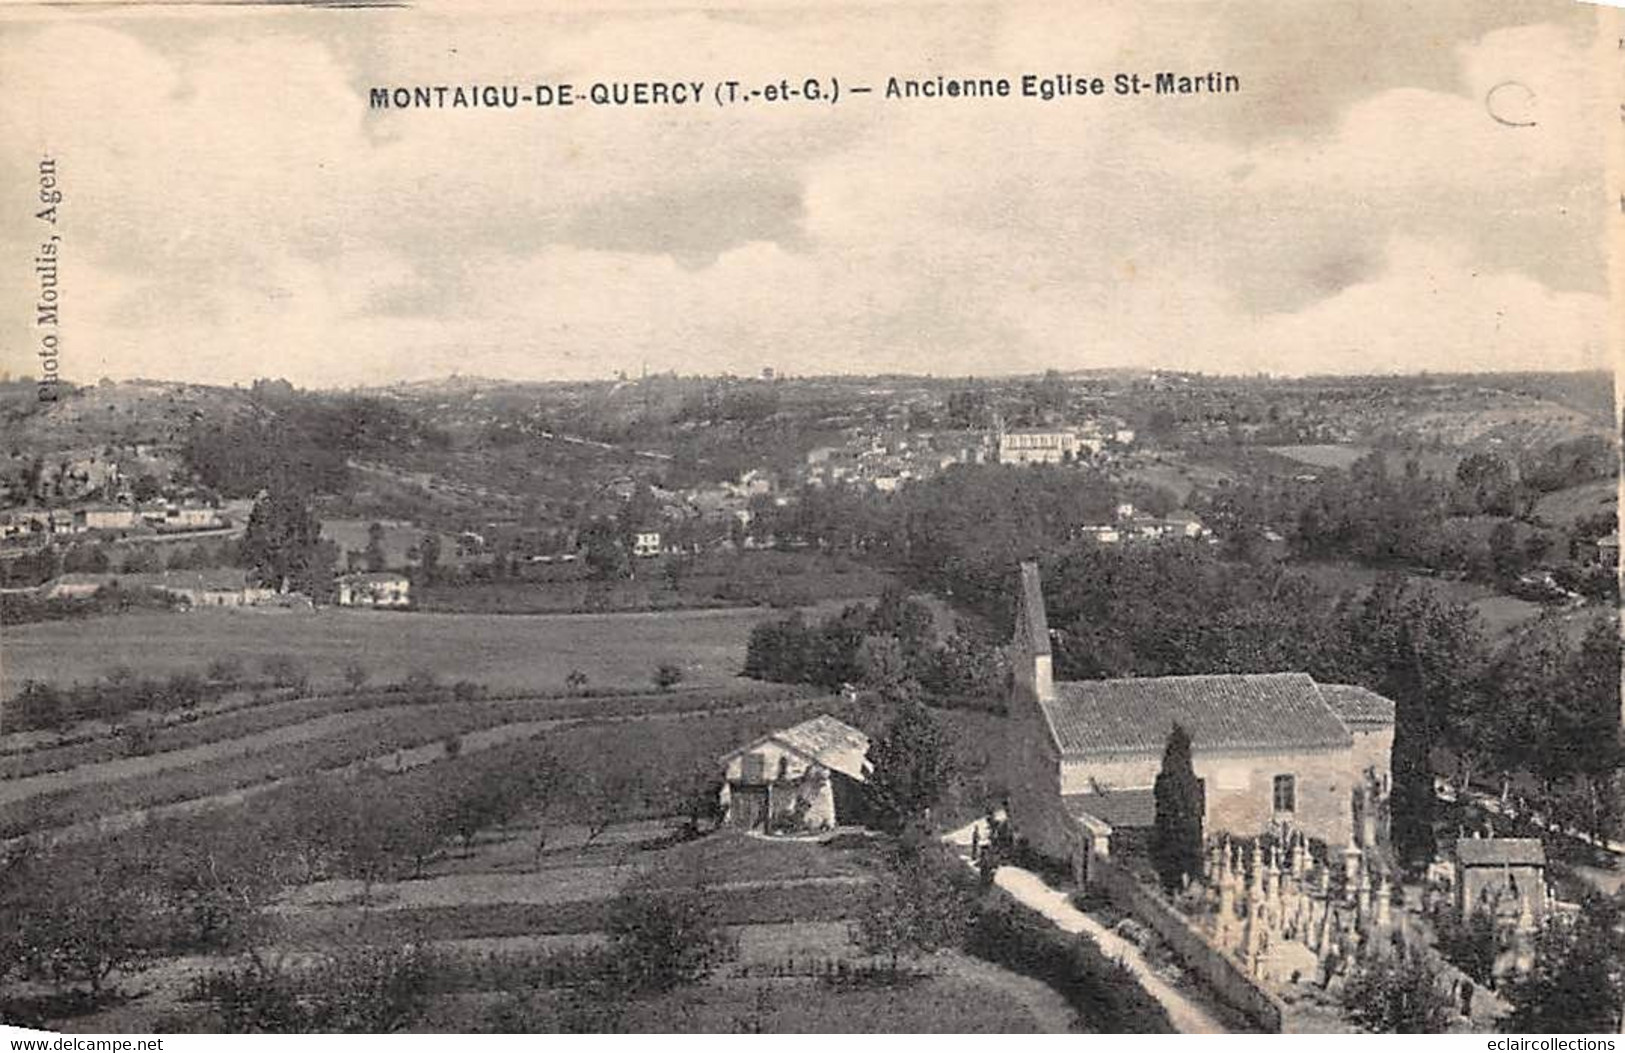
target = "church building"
x: 1273, y: 751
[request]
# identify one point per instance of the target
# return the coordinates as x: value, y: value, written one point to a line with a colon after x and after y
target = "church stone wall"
x: 1240, y: 787
x: 1032, y: 775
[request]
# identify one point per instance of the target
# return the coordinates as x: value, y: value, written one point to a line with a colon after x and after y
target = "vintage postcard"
x: 749, y: 517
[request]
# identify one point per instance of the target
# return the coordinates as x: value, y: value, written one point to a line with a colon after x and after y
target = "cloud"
x: 236, y: 210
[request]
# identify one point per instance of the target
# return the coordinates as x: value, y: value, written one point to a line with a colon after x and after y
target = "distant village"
x: 96, y: 502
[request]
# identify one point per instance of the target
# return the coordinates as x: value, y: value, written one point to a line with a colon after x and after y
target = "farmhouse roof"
x: 1116, y: 808
x: 837, y: 746
x: 1358, y: 707
x: 375, y: 577
x: 81, y: 577
x: 1269, y: 711
x: 219, y: 580
x: 1501, y: 851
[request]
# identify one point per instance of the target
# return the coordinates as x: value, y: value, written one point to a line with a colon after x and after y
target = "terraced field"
x: 89, y: 798
x: 788, y: 905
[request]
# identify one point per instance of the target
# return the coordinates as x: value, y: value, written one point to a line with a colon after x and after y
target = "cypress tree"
x: 1411, y: 804
x: 1176, y: 843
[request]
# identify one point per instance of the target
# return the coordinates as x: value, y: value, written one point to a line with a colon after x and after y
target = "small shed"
x: 804, y: 778
x: 1506, y: 875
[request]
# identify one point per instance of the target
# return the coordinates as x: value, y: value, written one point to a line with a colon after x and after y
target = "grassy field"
x: 503, y: 652
x: 1322, y: 455
x: 1502, y: 614
x: 1577, y: 502
x: 768, y: 578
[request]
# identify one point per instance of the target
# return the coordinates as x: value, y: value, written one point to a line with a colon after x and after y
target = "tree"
x: 576, y: 681
x: 661, y: 941
x: 1488, y: 484
x: 281, y: 545
x: 39, y: 706
x: 1397, y: 991
x: 429, y: 558
x: 373, y: 556
x: 1411, y: 802
x: 1506, y: 559
x: 912, y: 766
x: 355, y: 676
x: 702, y: 801
x: 606, y: 557
x: 1577, y: 984
x: 668, y: 675
x: 1176, y: 839
x: 87, y: 915
x: 914, y: 909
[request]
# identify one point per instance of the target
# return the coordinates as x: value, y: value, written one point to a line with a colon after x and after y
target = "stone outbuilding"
x: 1505, y: 875
x: 802, y: 779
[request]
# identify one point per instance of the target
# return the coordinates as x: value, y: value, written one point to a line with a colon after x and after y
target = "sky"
x: 1369, y: 201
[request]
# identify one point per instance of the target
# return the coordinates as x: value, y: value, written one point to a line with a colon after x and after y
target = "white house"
x: 374, y: 589
x: 646, y: 543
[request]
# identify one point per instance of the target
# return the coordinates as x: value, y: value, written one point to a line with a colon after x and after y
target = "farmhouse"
x: 646, y: 543
x: 1271, y: 750
x: 807, y: 777
x: 374, y: 589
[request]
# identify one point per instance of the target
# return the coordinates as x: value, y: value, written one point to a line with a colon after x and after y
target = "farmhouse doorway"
x: 749, y: 807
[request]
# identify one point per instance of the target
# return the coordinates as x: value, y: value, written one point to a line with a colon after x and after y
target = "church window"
x: 1286, y: 793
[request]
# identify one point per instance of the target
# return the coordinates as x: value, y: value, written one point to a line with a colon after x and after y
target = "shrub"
x: 227, y: 669
x: 664, y: 941
x: 1105, y: 994
x: 1397, y: 991
x: 359, y: 990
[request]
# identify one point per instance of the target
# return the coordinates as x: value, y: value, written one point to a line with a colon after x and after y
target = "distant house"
x: 646, y: 543
x: 114, y: 517
x: 76, y: 585
x: 1504, y: 875
x: 803, y: 778
x: 1608, y: 550
x: 374, y: 589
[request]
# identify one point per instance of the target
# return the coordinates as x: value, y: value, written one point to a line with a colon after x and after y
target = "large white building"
x: 1037, y: 445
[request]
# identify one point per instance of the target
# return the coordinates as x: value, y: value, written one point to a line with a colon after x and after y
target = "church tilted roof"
x: 1032, y: 622
x: 1116, y: 808
x: 1358, y: 707
x: 1267, y: 711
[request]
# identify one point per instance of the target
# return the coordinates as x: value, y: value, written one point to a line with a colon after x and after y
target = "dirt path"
x: 1030, y: 890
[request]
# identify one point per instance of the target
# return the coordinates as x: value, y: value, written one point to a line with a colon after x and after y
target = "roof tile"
x: 1226, y: 711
